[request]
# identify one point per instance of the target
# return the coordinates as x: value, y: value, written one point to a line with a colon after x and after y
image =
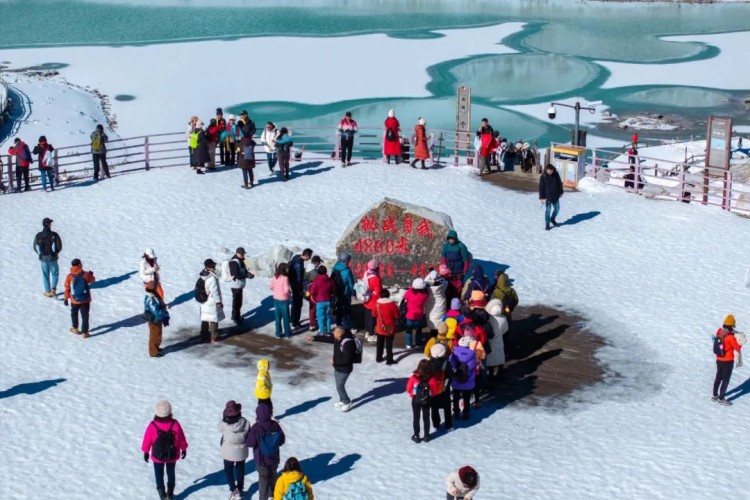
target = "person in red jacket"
x: 386, y: 320
x: 392, y: 141
x: 421, y: 388
x: 212, y: 138
x: 414, y: 299
x: 489, y: 145
x: 322, y: 291
x: 23, y: 162
x: 725, y: 361
x: 78, y: 293
x: 374, y: 285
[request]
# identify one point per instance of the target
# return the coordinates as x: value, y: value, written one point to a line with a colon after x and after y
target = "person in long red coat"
x: 421, y: 148
x: 392, y: 141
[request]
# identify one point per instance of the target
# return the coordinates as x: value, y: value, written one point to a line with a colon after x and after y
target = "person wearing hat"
x: 550, y: 192
x: 263, y: 383
x: 441, y: 337
x: 48, y: 245
x: 386, y: 323
x: 422, y: 387
x: 221, y: 124
x: 462, y: 484
x: 370, y: 297
x: 164, y: 458
x: 414, y: 299
x: 477, y: 282
x: 239, y: 273
x: 23, y: 162
x: 99, y: 142
x: 496, y: 352
x: 229, y: 137
x: 233, y: 448
x: 199, y: 143
x: 347, y: 129
x: 455, y: 255
x: 149, y: 272
x: 284, y: 145
x: 78, y: 295
x: 463, y: 361
x: 488, y: 145
x: 438, y: 357
x: 437, y: 301
x: 421, y: 147
x: 46, y: 161
x: 266, y: 433
x: 454, y: 311
x: 188, y: 136
x: 212, y: 310
x: 528, y: 158
x: 292, y: 482
x: 247, y: 126
x: 342, y: 275
x: 725, y: 345
x: 392, y: 141
x: 157, y: 316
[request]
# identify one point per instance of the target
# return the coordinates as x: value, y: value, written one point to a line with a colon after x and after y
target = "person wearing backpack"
x: 550, y: 192
x: 725, y: 344
x: 239, y: 274
x: 284, y: 145
x: 46, y: 161
x: 462, y: 484
x: 265, y: 438
x: 421, y: 387
x: 263, y: 383
x: 344, y: 278
x: 212, y: 308
x: 477, y: 282
x: 164, y: 443
x: 371, y: 295
x: 233, y: 447
x: 149, y: 272
x: 415, y: 298
x: 442, y: 400
x: 344, y: 351
x: 293, y: 484
x: 463, y: 362
x: 440, y: 338
x: 99, y: 142
x: 48, y: 245
x: 23, y: 162
x: 322, y: 291
x: 281, y: 292
x: 455, y: 255
x: 157, y: 316
x: 392, y: 141
x: 78, y: 295
x: 386, y: 323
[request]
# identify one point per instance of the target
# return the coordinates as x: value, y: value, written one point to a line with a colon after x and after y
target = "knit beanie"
x: 163, y: 408
x: 456, y: 304
x: 418, y: 284
x: 729, y: 320
x: 232, y: 409
x: 468, y: 476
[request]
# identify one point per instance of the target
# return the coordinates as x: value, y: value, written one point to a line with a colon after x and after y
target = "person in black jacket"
x: 48, y: 245
x: 550, y: 192
x: 344, y: 349
x: 296, y: 282
x: 239, y: 273
x: 630, y: 178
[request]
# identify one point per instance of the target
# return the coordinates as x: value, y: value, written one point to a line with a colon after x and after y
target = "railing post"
x: 440, y: 147
x: 336, y: 146
x: 146, y: 153
x: 637, y: 178
x: 682, y: 183
x: 728, y: 191
x: 55, y: 167
x: 10, y: 171
x: 594, y: 161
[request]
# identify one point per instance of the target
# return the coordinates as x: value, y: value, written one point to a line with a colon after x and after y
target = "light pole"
x: 552, y: 112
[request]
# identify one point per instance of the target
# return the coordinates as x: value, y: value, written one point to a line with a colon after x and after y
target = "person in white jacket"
x: 234, y: 428
x: 212, y: 310
x: 437, y: 303
x: 149, y: 272
x: 499, y: 323
x: 462, y: 484
x: 268, y: 140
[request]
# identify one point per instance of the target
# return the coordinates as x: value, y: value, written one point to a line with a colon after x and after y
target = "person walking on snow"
x: 293, y: 483
x: 268, y: 140
x: 78, y: 295
x: 23, y: 163
x: 725, y: 344
x: 164, y: 443
x: 46, y: 161
x: 239, y: 273
x: 370, y: 298
x: 344, y: 278
x: 233, y: 448
x: 421, y: 147
x: 296, y: 271
x: 322, y: 291
x: 462, y: 484
x: 550, y: 192
x: 392, y: 141
x: 155, y: 311
x: 265, y: 438
x: 281, y: 291
x: 99, y: 142
x: 344, y: 350
x: 386, y: 320
x: 422, y: 387
x: 263, y: 383
x: 48, y: 245
x: 212, y: 310
x: 149, y: 272
x: 347, y: 130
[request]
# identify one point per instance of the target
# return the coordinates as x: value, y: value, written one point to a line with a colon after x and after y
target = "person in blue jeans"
x: 322, y: 291
x: 282, y: 292
x: 48, y: 245
x: 550, y: 192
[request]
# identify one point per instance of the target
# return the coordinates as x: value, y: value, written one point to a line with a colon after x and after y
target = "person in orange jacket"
x: 724, y: 347
x: 78, y: 293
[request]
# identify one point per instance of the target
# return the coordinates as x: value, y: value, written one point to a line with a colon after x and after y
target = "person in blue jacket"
x: 550, y: 192
x: 455, y: 255
x: 344, y: 279
x: 155, y: 312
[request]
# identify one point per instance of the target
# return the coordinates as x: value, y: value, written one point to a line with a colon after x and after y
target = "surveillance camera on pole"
x: 552, y: 112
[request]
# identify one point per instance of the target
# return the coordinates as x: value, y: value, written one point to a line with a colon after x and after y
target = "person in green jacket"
x: 505, y: 293
x: 455, y: 255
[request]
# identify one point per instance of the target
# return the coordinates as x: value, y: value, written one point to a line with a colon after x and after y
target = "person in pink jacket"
x: 415, y: 299
x: 164, y: 442
x: 282, y: 293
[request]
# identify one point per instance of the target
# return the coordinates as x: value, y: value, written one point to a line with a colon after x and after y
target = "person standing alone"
x: 347, y: 129
x: 48, y: 245
x: 78, y: 293
x: 725, y: 344
x: 46, y: 160
x: 550, y: 192
x: 239, y: 273
x: 296, y: 272
x: 99, y: 142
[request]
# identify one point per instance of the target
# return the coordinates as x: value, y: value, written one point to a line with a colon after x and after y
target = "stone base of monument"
x: 516, y: 180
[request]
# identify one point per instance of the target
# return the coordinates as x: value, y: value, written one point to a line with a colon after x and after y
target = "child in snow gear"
x: 281, y: 292
x: 442, y: 372
x: 344, y: 352
x: 212, y: 309
x: 99, y: 142
x: 370, y: 297
x: 48, y: 245
x: 164, y: 442
x: 239, y: 274
x: 725, y: 344
x: 23, y: 162
x: 265, y: 438
x: 421, y: 387
x: 415, y: 298
x: 263, y: 384
x: 462, y: 484
x: 293, y: 484
x: 347, y: 129
x: 46, y: 160
x: 234, y: 429
x: 157, y: 316
x: 322, y: 291
x: 78, y: 294
x: 386, y: 322
x: 149, y: 272
x: 550, y: 192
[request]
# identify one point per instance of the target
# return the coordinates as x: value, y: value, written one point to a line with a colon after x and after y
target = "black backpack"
x: 200, y: 291
x: 719, y: 345
x: 164, y: 448
x: 422, y: 395
x: 390, y: 135
x: 462, y: 375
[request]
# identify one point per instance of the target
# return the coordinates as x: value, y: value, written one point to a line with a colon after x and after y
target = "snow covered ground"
x: 648, y: 432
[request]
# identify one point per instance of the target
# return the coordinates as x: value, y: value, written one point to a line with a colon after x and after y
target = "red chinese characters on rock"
x: 397, y: 245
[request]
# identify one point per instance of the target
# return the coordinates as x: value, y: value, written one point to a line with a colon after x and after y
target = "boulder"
x: 405, y: 238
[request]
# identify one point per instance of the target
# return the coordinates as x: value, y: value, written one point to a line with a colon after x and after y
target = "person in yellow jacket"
x: 263, y: 385
x: 292, y: 482
x: 441, y: 338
